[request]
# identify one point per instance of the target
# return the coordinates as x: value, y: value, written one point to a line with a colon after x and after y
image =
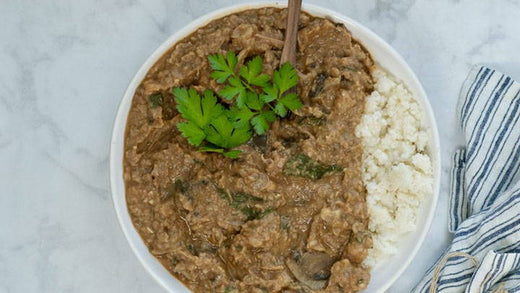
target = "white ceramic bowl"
x: 384, y: 274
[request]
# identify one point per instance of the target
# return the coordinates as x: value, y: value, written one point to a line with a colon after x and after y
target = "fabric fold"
x: 496, y: 228
x: 484, y: 207
x: 489, y: 116
x: 495, y: 273
x: 458, y: 205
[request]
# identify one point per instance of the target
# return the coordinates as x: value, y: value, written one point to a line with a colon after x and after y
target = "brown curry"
x: 288, y: 215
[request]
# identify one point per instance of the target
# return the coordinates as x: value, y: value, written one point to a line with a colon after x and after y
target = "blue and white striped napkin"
x: 485, y: 192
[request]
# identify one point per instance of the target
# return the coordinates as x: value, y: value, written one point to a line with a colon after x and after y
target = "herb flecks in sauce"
x: 312, y: 121
x: 155, y: 100
x: 245, y: 203
x: 246, y: 248
x: 303, y: 166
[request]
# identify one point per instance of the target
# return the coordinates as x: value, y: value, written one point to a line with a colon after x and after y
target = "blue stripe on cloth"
x: 490, y: 109
x: 503, y: 232
x: 494, y: 271
x: 506, y: 236
x: 504, y: 176
x: 491, y: 136
x: 478, y: 78
x: 478, y: 161
x: 499, y: 137
x: 454, y: 282
x: 480, y: 85
x: 483, y: 230
x: 483, y: 161
x: 458, y: 205
x: 463, y: 232
x: 456, y: 275
x: 484, y: 207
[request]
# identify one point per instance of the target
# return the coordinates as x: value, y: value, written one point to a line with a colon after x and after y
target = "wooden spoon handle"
x: 291, y: 32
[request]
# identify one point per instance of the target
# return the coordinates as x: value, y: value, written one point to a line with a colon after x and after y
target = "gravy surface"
x: 289, y: 215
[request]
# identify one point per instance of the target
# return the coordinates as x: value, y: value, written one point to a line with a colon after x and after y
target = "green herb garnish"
x: 155, y: 100
x: 244, y: 202
x: 258, y: 99
x: 229, y: 289
x: 312, y: 121
x: 254, y: 213
x: 241, y: 197
x: 179, y: 186
x: 303, y: 166
x: 192, y: 249
x: 243, y: 87
x: 284, y: 222
x: 207, y: 120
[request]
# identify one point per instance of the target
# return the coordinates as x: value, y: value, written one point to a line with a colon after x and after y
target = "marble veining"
x: 65, y: 66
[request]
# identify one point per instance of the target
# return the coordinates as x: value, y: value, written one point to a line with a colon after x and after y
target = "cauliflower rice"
x: 397, y: 170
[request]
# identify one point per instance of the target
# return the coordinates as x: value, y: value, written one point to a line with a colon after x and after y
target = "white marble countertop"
x: 64, y: 66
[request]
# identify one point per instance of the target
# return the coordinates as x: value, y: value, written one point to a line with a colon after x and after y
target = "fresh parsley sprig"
x: 207, y: 120
x: 258, y: 99
x: 255, y: 90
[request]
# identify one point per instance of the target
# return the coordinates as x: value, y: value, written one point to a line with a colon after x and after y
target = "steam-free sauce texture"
x: 289, y: 215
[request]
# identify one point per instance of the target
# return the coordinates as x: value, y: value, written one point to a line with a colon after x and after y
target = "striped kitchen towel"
x: 484, y: 212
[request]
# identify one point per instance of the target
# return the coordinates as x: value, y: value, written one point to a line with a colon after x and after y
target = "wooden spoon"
x: 291, y: 33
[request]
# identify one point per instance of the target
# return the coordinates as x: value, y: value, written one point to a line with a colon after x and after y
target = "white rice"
x: 397, y: 170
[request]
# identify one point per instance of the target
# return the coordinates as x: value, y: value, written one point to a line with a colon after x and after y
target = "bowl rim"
x: 119, y: 130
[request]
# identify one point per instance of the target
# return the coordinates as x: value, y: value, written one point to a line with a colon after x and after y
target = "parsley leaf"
x: 285, y: 77
x: 214, y: 149
x: 211, y: 149
x: 253, y: 90
x: 200, y: 111
x: 235, y: 88
x: 229, y: 92
x: 223, y: 67
x: 270, y: 93
x: 258, y: 99
x: 254, y: 102
x: 240, y: 116
x: 289, y: 101
x: 252, y: 72
x: 222, y: 133
x: 232, y: 154
x: 192, y: 132
x: 208, y: 119
x: 261, y: 122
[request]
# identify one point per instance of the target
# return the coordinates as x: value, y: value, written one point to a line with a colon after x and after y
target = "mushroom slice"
x: 312, y: 270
